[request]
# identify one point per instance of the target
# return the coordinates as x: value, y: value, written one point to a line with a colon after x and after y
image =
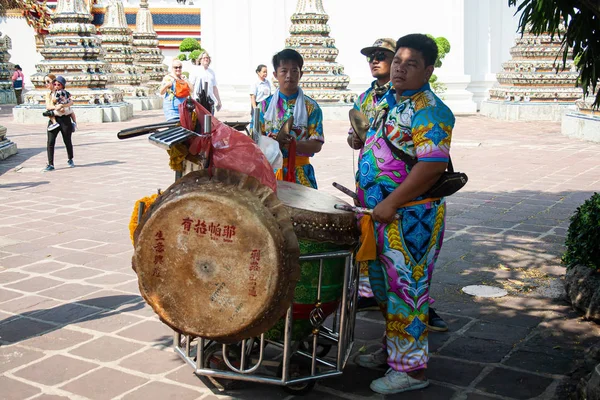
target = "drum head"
x: 314, y: 216
x: 217, y: 257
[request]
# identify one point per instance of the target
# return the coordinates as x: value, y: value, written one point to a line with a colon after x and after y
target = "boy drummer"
x: 289, y: 100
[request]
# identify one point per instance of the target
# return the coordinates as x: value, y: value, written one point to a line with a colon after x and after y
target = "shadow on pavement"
x: 39, y: 322
x: 23, y: 185
x: 100, y: 164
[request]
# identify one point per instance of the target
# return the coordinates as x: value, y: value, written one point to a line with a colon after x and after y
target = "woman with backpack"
x: 18, y: 80
x: 175, y: 88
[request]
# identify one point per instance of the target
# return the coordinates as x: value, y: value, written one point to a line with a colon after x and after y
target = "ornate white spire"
x: 115, y: 15
x: 310, y: 7
x: 72, y: 7
x: 72, y: 49
x: 147, y: 53
x: 117, y: 42
x: 324, y: 79
x: 143, y: 20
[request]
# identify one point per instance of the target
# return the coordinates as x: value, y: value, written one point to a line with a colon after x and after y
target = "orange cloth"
x: 368, y: 248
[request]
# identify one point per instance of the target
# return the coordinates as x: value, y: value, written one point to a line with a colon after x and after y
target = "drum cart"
x: 298, y: 364
x: 287, y: 360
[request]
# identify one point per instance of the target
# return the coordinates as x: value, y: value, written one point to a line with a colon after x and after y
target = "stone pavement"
x: 72, y: 323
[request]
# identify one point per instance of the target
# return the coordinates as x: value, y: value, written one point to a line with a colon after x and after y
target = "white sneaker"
x: 374, y: 360
x: 397, y: 382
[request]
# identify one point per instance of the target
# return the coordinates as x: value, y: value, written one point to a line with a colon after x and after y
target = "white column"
x: 452, y: 73
x: 489, y: 34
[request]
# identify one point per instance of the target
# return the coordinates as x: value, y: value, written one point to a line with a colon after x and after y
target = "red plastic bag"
x: 231, y: 149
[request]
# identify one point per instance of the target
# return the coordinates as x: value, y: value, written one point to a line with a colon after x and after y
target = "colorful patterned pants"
x: 406, y: 253
x: 305, y: 175
x: 364, y: 285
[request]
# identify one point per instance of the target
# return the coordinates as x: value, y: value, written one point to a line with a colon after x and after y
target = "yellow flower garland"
x: 133, y: 222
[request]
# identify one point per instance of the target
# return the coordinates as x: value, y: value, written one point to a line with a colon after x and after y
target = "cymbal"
x: 360, y: 123
x: 286, y: 127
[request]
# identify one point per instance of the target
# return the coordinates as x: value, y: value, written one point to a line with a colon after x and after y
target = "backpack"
x: 18, y: 83
x: 181, y: 88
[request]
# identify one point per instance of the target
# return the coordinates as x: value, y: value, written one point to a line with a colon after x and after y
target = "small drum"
x: 320, y: 228
x: 217, y: 257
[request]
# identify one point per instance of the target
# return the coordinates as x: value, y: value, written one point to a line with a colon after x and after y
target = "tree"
x: 577, y: 24
x: 443, y: 46
x: 194, y: 55
x: 189, y: 44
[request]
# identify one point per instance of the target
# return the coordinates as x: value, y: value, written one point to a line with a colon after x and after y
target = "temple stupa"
x: 7, y: 94
x: 324, y: 79
x: 533, y: 85
x: 117, y: 43
x: 146, y: 51
x: 72, y: 49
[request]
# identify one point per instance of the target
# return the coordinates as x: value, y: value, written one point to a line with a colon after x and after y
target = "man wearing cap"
x: 380, y: 57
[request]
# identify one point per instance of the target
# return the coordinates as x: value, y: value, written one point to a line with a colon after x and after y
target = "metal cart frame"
x: 192, y: 349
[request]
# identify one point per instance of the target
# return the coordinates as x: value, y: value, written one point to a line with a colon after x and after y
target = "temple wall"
x: 242, y: 34
x: 481, y: 33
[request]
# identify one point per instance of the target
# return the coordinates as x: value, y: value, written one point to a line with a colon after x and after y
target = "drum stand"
x: 299, y: 363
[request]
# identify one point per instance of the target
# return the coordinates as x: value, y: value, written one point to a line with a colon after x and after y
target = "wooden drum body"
x: 320, y: 228
x: 217, y: 257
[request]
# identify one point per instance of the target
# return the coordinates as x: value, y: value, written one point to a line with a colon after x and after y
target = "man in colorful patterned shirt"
x: 306, y: 134
x: 380, y: 57
x: 408, y: 225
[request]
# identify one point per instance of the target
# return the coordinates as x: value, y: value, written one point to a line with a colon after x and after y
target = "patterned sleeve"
x: 315, y: 123
x: 432, y: 133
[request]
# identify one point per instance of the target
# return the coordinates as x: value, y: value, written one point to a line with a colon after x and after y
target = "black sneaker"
x: 367, y: 304
x: 436, y: 323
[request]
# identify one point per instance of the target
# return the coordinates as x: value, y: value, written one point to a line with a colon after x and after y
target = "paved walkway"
x: 72, y: 324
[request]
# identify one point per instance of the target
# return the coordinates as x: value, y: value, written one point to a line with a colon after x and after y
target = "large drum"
x: 217, y: 257
x: 320, y: 228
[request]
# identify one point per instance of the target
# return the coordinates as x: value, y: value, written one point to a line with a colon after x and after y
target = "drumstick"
x: 345, y: 190
x: 358, y: 210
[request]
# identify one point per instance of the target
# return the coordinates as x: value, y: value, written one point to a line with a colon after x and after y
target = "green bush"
x: 182, y: 57
x: 443, y: 48
x: 583, y: 236
x: 189, y: 44
x: 194, y: 55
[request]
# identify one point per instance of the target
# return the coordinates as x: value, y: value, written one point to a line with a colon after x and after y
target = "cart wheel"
x: 213, y: 359
x: 322, y: 348
x: 296, y: 370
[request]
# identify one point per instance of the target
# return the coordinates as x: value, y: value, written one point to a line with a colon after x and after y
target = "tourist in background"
x: 175, y: 88
x: 18, y: 79
x: 260, y: 89
x: 65, y: 124
x: 204, y: 74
